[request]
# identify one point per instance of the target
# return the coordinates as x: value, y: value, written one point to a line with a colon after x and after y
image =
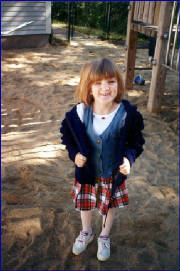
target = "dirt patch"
x: 39, y: 223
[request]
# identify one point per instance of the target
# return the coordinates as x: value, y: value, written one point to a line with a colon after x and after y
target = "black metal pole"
x: 105, y: 20
x: 69, y: 22
x: 72, y: 19
x: 108, y: 20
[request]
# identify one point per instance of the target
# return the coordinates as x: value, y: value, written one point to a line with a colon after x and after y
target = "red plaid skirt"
x: 88, y: 197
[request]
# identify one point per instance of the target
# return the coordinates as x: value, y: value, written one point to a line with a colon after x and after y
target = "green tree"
x: 93, y: 14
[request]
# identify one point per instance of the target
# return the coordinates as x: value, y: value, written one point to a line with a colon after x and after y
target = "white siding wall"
x: 25, y: 17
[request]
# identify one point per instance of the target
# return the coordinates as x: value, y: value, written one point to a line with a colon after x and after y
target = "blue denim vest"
x: 103, y: 160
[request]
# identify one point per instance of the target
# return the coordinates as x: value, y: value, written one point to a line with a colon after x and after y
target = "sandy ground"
x: 39, y: 223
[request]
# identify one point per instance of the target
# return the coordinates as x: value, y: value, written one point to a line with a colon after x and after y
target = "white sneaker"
x: 82, y: 241
x: 103, y: 249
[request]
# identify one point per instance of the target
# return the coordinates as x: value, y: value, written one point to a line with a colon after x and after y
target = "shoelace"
x: 105, y: 243
x: 82, y: 236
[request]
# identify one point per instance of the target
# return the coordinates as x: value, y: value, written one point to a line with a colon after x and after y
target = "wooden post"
x: 158, y: 71
x: 170, y: 34
x: 130, y: 55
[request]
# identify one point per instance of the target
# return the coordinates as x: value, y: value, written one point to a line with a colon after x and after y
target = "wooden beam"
x: 159, y: 71
x: 170, y: 34
x: 157, y: 13
x: 151, y: 12
x: 171, y: 69
x: 136, y: 10
x: 130, y: 55
x: 175, y: 40
x: 141, y: 10
x: 146, y: 29
x: 146, y: 11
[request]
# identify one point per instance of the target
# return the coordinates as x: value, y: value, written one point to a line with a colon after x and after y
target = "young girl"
x: 102, y: 134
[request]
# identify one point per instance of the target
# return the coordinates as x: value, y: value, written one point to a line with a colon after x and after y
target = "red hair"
x: 95, y: 71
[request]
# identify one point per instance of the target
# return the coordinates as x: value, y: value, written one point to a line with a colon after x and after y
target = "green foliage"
x: 59, y: 10
x: 119, y: 16
x: 93, y: 14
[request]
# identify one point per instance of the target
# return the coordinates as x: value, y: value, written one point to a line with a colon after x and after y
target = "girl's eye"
x: 112, y: 81
x: 97, y: 83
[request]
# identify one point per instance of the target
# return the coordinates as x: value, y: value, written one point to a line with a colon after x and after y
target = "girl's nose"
x: 105, y: 86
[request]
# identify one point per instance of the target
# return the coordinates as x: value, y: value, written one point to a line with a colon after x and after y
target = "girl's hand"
x: 125, y: 167
x: 80, y: 160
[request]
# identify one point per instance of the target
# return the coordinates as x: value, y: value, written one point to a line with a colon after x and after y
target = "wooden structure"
x: 25, y: 23
x: 155, y: 19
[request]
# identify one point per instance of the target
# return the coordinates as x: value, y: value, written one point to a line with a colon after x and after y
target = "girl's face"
x: 104, y: 91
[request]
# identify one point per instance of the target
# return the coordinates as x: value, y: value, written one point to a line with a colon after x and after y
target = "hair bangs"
x: 102, y: 69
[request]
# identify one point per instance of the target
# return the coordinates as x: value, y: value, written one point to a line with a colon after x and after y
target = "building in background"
x: 25, y: 24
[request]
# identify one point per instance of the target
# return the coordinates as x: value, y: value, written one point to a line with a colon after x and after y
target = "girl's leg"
x: 86, y: 235
x: 86, y: 217
x: 108, y: 223
x: 103, y: 252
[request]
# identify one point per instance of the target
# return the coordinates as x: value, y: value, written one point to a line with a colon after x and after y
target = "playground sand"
x: 39, y: 223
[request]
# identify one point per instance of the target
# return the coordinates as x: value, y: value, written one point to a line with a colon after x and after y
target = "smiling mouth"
x: 105, y: 94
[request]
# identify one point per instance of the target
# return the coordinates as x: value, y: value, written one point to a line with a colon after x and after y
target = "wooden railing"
x: 161, y: 20
x: 172, y: 52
